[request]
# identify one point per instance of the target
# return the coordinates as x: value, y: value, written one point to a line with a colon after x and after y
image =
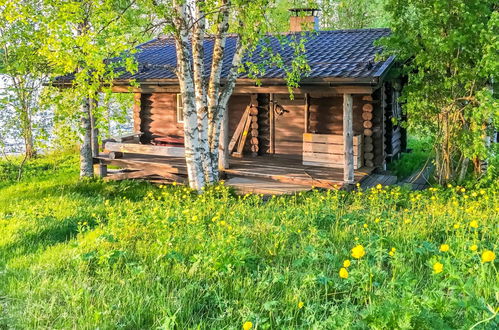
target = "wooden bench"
x: 146, y: 149
x: 327, y: 150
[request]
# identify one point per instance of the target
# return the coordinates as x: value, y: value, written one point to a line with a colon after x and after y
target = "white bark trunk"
x: 204, y: 102
x: 223, y: 101
x: 186, y: 82
x: 200, y: 90
x: 86, y: 160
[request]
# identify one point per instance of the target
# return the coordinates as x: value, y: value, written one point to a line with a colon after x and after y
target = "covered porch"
x: 274, y: 145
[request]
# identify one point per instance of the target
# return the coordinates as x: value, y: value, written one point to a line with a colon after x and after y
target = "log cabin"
x: 342, y: 124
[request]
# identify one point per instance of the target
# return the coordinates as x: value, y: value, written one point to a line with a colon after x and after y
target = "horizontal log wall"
x: 158, y: 116
x: 326, y: 114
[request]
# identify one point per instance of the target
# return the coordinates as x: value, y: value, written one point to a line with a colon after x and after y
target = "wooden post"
x: 223, y: 146
x: 307, y: 108
x: 272, y: 124
x: 348, y: 176
x: 102, y: 170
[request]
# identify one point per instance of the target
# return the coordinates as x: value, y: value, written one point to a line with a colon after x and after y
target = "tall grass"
x: 89, y: 255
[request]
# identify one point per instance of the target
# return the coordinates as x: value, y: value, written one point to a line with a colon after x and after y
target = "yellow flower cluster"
x: 488, y: 256
x: 358, y: 252
x: 444, y: 247
x: 438, y: 267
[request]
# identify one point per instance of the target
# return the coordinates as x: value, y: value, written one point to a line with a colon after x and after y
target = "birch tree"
x: 205, y: 95
x: 22, y: 70
x: 81, y: 38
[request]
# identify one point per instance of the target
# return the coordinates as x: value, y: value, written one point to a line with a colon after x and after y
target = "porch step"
x: 244, y: 185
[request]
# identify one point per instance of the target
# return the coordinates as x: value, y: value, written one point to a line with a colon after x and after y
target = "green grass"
x: 408, y: 163
x: 89, y: 255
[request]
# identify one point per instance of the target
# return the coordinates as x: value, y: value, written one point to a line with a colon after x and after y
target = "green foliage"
x: 352, y: 14
x: 421, y: 153
x: 22, y: 72
x: 92, y: 43
x: 449, y: 49
x: 105, y: 255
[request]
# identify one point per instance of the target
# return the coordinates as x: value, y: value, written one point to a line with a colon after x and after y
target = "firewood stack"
x: 367, y: 117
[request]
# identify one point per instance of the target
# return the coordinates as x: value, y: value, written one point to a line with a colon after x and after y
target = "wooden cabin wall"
x: 326, y: 114
x: 264, y: 124
x: 158, y: 116
x: 136, y: 112
x: 395, y: 135
x: 378, y: 129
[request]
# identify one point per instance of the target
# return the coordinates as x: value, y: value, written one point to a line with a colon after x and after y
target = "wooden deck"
x: 262, y: 169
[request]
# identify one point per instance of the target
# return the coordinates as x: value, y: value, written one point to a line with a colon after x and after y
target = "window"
x: 180, y: 109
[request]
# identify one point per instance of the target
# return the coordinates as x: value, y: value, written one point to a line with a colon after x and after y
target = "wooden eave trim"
x: 238, y: 89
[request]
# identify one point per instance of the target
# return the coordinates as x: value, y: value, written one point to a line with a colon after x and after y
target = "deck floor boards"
x: 273, y: 169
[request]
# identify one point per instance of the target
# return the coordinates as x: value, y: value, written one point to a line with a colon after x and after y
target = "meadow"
x: 89, y: 254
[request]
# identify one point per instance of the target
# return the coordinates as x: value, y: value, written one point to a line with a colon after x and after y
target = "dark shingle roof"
x: 330, y: 54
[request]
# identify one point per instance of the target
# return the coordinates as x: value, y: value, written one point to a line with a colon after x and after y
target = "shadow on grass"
x: 30, y: 243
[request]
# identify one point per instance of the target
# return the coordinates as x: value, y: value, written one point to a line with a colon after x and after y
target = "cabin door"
x: 289, y: 121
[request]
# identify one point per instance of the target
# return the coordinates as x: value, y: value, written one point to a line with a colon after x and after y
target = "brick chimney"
x: 303, y: 19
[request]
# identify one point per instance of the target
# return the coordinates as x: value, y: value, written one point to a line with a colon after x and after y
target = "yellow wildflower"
x: 463, y: 190
x: 377, y: 220
x: 247, y: 325
x: 457, y: 225
x: 474, y: 224
x: 358, y: 252
x: 300, y: 305
x: 392, y: 252
x: 365, y: 225
x: 346, y: 263
x: 488, y: 256
x: 474, y: 247
x: 343, y: 272
x: 444, y: 247
x: 437, y: 267
x: 379, y: 186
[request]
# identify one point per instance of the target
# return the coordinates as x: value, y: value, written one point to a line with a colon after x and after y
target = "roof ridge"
x: 210, y: 36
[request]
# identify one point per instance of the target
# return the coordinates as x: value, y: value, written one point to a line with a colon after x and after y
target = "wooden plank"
x: 130, y: 175
x: 336, y: 149
x: 348, y: 170
x: 139, y: 164
x: 134, y: 148
x: 223, y: 145
x: 244, y: 135
x: 328, y: 138
x: 239, y: 130
x: 272, y: 124
x: 307, y: 109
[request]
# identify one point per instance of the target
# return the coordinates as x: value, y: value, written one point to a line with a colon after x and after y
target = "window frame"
x: 180, y: 109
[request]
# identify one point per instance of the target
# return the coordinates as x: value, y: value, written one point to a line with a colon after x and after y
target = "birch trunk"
x: 214, y: 88
x: 186, y: 81
x: 199, y: 30
x: 221, y: 107
x: 86, y: 160
x: 93, y: 129
x: 204, y: 102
